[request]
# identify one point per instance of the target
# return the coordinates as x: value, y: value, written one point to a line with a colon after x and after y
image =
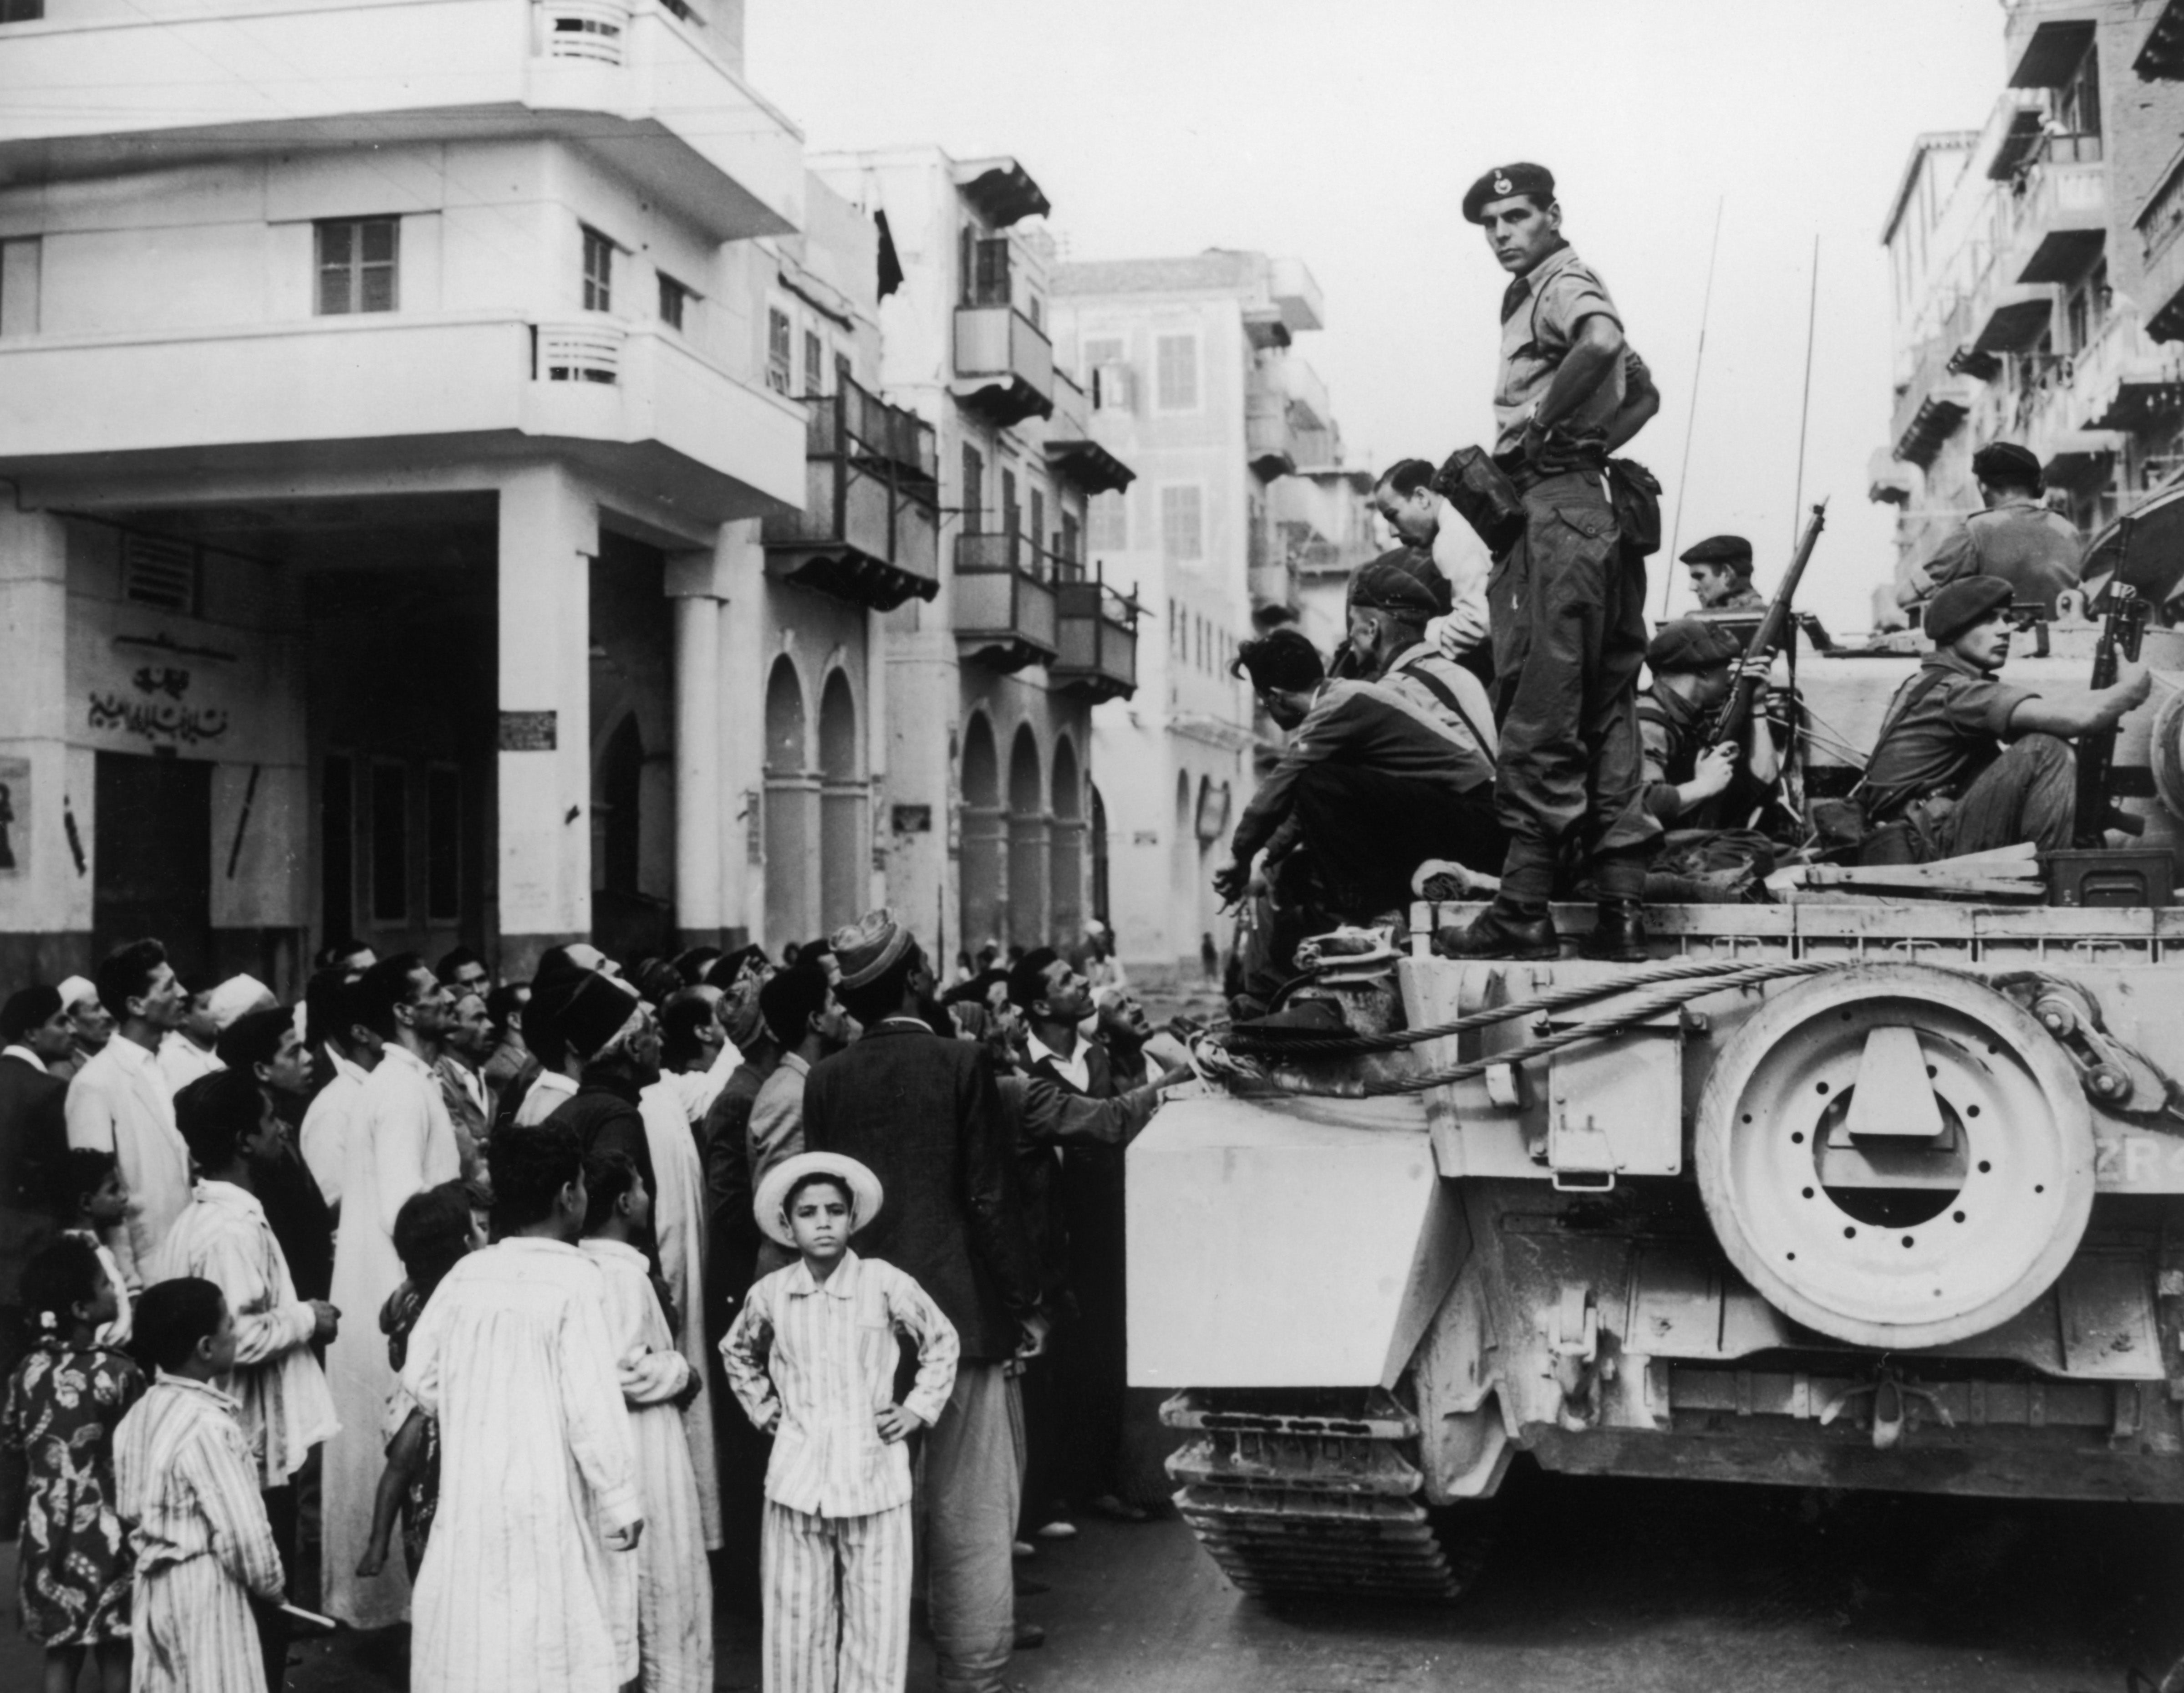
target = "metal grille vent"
x: 160, y: 572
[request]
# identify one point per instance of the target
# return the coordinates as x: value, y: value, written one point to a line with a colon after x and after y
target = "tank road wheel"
x: 1895, y: 1155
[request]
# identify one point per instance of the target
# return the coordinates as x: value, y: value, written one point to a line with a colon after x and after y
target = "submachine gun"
x: 1773, y: 630
x: 2122, y: 629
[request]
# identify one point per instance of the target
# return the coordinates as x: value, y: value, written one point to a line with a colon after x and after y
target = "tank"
x: 1860, y: 1193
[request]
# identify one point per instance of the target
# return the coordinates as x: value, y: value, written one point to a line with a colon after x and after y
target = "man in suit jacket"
x: 35, y: 1031
x: 924, y: 1115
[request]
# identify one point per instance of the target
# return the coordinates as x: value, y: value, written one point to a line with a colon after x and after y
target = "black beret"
x: 1963, y: 602
x: 1282, y: 658
x: 1391, y: 582
x: 1691, y: 644
x: 1503, y: 181
x: 2008, y: 462
x: 1733, y: 551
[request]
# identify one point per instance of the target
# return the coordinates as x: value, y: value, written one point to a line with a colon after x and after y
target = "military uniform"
x: 2021, y: 541
x: 1669, y: 732
x: 1567, y: 603
x: 1940, y: 782
x: 1746, y: 599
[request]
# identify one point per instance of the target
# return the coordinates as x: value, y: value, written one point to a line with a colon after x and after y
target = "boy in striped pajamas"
x: 812, y: 1357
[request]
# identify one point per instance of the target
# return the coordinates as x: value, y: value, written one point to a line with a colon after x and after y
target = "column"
x: 46, y: 819
x: 738, y: 571
x: 698, y: 847
x: 548, y: 534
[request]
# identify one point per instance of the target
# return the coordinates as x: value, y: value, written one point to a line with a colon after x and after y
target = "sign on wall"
x: 913, y: 820
x: 529, y: 731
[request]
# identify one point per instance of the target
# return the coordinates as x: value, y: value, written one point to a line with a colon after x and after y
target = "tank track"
x: 1314, y: 1491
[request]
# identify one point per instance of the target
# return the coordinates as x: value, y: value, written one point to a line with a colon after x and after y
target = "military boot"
x: 1502, y: 930
x: 1619, y: 936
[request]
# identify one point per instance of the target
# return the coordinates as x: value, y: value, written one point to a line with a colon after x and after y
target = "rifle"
x: 2122, y: 630
x: 1773, y: 630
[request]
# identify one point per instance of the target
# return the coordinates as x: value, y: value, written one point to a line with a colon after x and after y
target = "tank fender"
x: 1285, y: 1242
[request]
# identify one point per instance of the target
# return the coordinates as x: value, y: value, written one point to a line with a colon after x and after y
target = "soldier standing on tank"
x: 2016, y: 539
x: 1721, y: 574
x: 1567, y: 598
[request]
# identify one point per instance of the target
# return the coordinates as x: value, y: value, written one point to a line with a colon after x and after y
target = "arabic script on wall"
x: 160, y: 712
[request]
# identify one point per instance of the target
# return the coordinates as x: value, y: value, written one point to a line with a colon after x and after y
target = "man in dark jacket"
x: 924, y: 1115
x: 615, y: 1032
x: 35, y: 1031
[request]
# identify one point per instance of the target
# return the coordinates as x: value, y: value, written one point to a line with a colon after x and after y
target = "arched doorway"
x: 792, y: 806
x: 984, y: 832
x: 1102, y: 892
x: 1027, y: 841
x: 844, y: 813
x: 1066, y: 858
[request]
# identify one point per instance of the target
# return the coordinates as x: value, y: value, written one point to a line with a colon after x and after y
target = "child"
x: 537, y: 1472
x: 188, y: 1489
x: 812, y: 1357
x: 62, y: 1408
x: 674, y: 1611
x: 98, y: 1202
x: 434, y: 1231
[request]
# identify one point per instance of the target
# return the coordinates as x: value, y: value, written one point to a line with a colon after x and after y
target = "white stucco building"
x: 1193, y: 385
x: 990, y: 832
x: 390, y: 407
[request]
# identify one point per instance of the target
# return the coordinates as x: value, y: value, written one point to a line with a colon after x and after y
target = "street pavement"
x: 1593, y: 1585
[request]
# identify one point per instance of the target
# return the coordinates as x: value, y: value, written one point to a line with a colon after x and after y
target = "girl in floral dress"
x: 62, y: 1405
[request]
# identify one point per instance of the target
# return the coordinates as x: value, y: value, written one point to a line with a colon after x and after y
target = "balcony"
x: 2055, y: 225
x: 2126, y: 381
x: 2078, y: 457
x: 2159, y: 226
x: 1004, y: 365
x: 631, y: 404
x: 1004, y: 607
x: 1934, y: 404
x: 2009, y: 317
x: 2161, y: 55
x: 627, y: 80
x: 1071, y: 454
x: 1269, y: 443
x: 1097, y: 642
x: 869, y: 529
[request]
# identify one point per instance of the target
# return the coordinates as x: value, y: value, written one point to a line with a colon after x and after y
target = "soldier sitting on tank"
x: 2036, y: 551
x: 1940, y: 782
x: 1693, y: 664
x: 1382, y: 771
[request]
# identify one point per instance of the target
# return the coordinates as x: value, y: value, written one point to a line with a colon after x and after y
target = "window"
x: 598, y: 271
x: 776, y: 349
x: 1106, y: 377
x: 158, y: 571
x: 2078, y: 100
x: 1035, y: 309
x: 21, y: 11
x: 1038, y: 518
x: 1182, y: 540
x: 1177, y: 361
x: 986, y: 275
x: 814, y: 354
x: 443, y: 842
x: 357, y: 261
x: 390, y: 843
x: 674, y: 300
x: 1071, y: 544
x: 1012, y: 513
x: 1107, y: 523
x: 19, y: 286
x: 974, y: 490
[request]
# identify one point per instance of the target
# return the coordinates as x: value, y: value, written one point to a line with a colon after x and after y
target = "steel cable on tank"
x: 1709, y: 975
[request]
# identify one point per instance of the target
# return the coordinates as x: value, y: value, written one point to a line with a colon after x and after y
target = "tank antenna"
x: 1805, y: 406
x: 1691, y: 417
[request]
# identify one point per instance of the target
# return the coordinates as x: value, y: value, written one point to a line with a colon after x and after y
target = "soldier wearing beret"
x: 1566, y: 599
x: 1721, y: 574
x: 1693, y: 663
x: 1385, y: 769
x: 1964, y: 761
x: 2016, y: 539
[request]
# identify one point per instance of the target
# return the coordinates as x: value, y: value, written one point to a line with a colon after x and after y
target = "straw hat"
x: 865, y: 1195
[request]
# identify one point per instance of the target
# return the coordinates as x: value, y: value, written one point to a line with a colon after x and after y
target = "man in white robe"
x: 400, y: 1142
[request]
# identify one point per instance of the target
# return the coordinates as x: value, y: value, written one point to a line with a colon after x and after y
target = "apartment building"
x: 1188, y: 365
x: 386, y: 405
x: 2039, y: 284
x: 993, y: 829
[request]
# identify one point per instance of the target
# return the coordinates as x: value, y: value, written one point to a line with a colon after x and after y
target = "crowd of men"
x: 994, y: 1109
x: 1485, y: 713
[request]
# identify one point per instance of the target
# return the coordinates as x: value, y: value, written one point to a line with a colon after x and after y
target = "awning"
x: 1088, y: 465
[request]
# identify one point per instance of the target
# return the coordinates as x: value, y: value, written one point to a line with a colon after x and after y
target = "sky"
x: 1346, y: 134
